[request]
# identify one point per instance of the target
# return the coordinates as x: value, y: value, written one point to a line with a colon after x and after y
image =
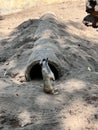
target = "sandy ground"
x: 24, y: 105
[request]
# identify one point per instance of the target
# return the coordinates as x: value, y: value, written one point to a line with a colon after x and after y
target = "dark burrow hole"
x: 36, y: 74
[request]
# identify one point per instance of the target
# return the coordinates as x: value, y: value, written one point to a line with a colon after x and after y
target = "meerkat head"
x: 43, y: 61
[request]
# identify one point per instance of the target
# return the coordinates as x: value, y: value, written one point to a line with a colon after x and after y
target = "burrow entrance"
x: 36, y: 74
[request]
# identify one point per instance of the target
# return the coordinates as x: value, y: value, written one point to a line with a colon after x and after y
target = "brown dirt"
x: 24, y: 105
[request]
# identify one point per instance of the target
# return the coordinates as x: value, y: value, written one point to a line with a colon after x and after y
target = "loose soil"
x: 24, y: 105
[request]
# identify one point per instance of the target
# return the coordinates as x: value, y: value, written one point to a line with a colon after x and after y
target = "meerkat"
x: 92, y: 8
x: 48, y: 77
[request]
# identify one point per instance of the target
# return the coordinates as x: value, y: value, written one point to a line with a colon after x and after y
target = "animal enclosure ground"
x: 24, y: 105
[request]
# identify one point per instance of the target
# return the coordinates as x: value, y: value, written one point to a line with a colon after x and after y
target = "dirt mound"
x: 36, y: 39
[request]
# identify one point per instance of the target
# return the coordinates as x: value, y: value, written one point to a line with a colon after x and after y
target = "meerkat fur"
x: 48, y: 77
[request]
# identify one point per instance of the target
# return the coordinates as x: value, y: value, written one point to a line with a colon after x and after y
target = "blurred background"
x: 9, y: 6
